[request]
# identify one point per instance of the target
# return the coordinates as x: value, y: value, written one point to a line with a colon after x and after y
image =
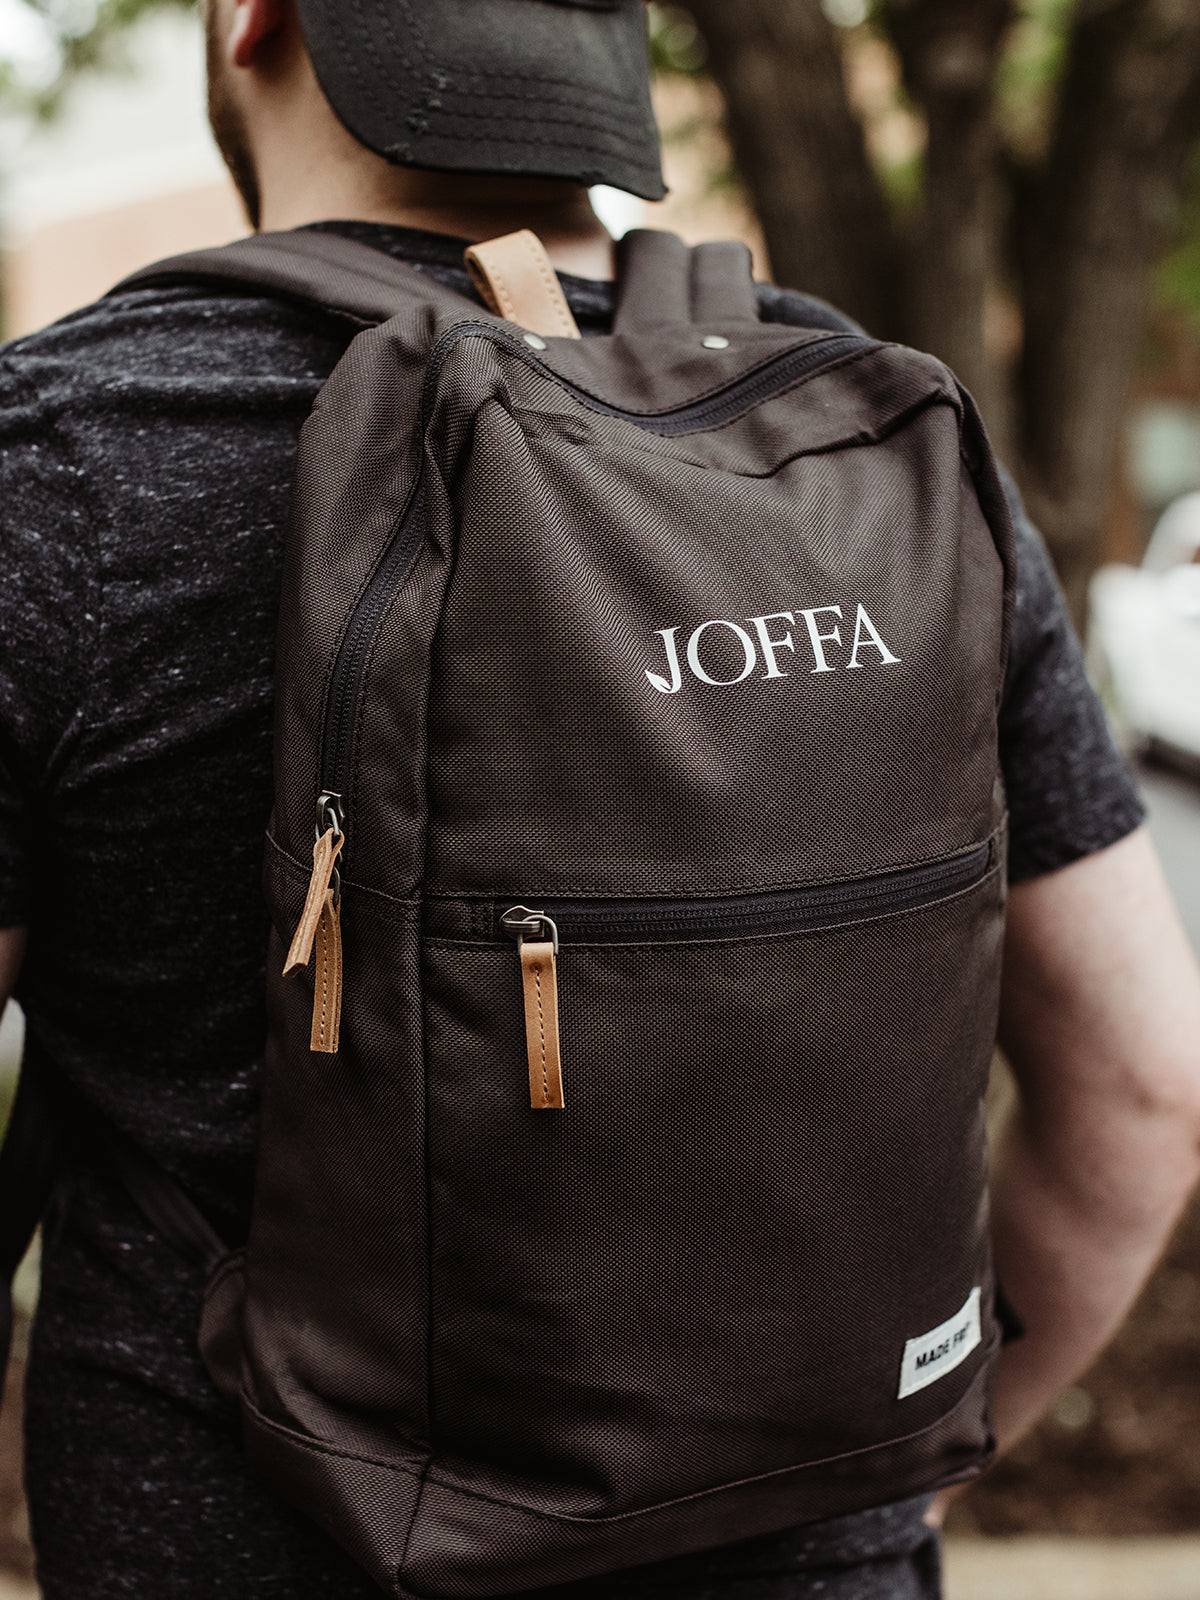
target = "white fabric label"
x: 934, y: 1354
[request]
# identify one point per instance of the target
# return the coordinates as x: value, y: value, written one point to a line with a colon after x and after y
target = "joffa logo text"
x: 866, y: 638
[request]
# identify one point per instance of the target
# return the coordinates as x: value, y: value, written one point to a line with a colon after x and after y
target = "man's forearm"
x: 1072, y: 1255
x: 1100, y: 1019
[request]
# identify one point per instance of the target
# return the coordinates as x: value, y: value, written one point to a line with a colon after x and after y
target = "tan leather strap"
x: 325, y: 854
x: 327, y: 979
x: 539, y: 974
x: 515, y: 278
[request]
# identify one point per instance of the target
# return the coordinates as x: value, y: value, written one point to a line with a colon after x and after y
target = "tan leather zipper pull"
x: 516, y: 280
x: 537, y: 944
x: 327, y: 982
x: 325, y: 854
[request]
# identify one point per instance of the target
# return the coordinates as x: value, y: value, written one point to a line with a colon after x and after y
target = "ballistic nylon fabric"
x: 524, y: 1337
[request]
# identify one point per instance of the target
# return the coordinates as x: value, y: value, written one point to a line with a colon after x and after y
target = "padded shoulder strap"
x: 322, y: 269
x: 662, y: 283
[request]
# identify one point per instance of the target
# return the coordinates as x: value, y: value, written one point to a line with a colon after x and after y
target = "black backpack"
x: 621, y: 1179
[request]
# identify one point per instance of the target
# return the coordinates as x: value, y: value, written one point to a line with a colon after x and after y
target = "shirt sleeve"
x: 47, y: 617
x: 1069, y: 791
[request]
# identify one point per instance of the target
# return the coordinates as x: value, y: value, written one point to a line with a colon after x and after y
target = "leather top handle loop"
x: 663, y: 284
x: 517, y: 282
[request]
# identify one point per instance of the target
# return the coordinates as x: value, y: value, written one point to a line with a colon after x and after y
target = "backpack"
x: 637, y: 864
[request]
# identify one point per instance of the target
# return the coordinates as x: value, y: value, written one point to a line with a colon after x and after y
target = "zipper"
x: 817, y: 906
x: 320, y: 929
x: 638, y: 922
x: 345, y: 681
x: 537, y: 946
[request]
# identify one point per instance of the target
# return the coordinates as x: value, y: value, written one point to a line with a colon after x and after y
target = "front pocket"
x: 768, y: 1179
x: 538, y: 931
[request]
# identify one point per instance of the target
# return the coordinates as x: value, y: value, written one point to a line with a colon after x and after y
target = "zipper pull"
x: 537, y: 945
x: 320, y: 925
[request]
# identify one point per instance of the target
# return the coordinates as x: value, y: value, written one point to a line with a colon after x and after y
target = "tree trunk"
x: 949, y: 54
x: 1097, y: 221
x: 800, y: 152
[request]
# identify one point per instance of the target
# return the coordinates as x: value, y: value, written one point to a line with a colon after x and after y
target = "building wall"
x: 68, y: 263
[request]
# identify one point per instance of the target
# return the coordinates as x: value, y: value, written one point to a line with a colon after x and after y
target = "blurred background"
x: 1012, y: 184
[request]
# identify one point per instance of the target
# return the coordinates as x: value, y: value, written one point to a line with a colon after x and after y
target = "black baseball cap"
x: 537, y: 88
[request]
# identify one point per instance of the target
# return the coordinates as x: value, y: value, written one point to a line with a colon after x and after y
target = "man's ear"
x: 253, y: 22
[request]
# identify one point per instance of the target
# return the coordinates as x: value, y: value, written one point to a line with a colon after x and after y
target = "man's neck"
x: 465, y: 206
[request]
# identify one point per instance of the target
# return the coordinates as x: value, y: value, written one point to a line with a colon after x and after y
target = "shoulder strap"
x: 322, y: 269
x: 662, y: 283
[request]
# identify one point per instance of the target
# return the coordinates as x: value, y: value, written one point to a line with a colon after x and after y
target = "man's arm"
x: 1100, y: 1021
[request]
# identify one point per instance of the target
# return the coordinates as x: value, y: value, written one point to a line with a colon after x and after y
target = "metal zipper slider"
x: 320, y: 925
x: 537, y: 945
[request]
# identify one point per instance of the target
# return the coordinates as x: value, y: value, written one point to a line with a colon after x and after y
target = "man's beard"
x: 228, y: 125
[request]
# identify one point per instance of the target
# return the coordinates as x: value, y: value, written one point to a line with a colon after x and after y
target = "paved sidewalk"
x: 1027, y: 1569
x: 1030, y: 1568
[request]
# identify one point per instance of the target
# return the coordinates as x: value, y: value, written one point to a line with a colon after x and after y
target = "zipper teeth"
x: 777, y: 373
x: 821, y: 905
x: 347, y: 670
x: 740, y: 394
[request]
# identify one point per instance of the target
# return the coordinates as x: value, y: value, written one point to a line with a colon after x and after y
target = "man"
x: 148, y: 449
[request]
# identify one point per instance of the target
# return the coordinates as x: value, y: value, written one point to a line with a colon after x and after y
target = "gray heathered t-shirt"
x: 146, y: 453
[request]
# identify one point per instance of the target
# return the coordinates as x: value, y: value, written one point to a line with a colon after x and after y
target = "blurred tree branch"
x: 1091, y: 226
x: 1072, y: 231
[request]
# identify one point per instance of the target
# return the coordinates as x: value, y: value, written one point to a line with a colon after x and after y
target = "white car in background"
x: 1144, y: 639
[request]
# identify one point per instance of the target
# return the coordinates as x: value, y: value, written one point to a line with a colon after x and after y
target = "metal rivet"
x: 532, y: 340
x: 715, y: 341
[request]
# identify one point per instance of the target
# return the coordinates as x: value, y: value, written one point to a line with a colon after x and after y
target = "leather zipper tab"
x: 327, y: 984
x: 321, y: 926
x: 537, y: 945
x: 325, y: 854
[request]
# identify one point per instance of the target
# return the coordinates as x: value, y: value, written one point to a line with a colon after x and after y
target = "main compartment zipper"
x: 815, y: 907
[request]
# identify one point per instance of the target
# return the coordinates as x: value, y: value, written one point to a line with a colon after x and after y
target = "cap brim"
x: 531, y: 88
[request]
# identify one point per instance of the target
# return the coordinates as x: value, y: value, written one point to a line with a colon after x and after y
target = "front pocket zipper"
x: 537, y: 946
x: 812, y: 909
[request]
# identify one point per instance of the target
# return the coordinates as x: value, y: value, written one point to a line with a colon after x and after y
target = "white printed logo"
x: 866, y: 638
x: 943, y: 1348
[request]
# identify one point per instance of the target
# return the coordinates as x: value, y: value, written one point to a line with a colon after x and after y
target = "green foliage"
x: 1178, y: 279
x: 903, y: 184
x: 86, y: 35
x: 675, y: 43
x: 1029, y: 73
